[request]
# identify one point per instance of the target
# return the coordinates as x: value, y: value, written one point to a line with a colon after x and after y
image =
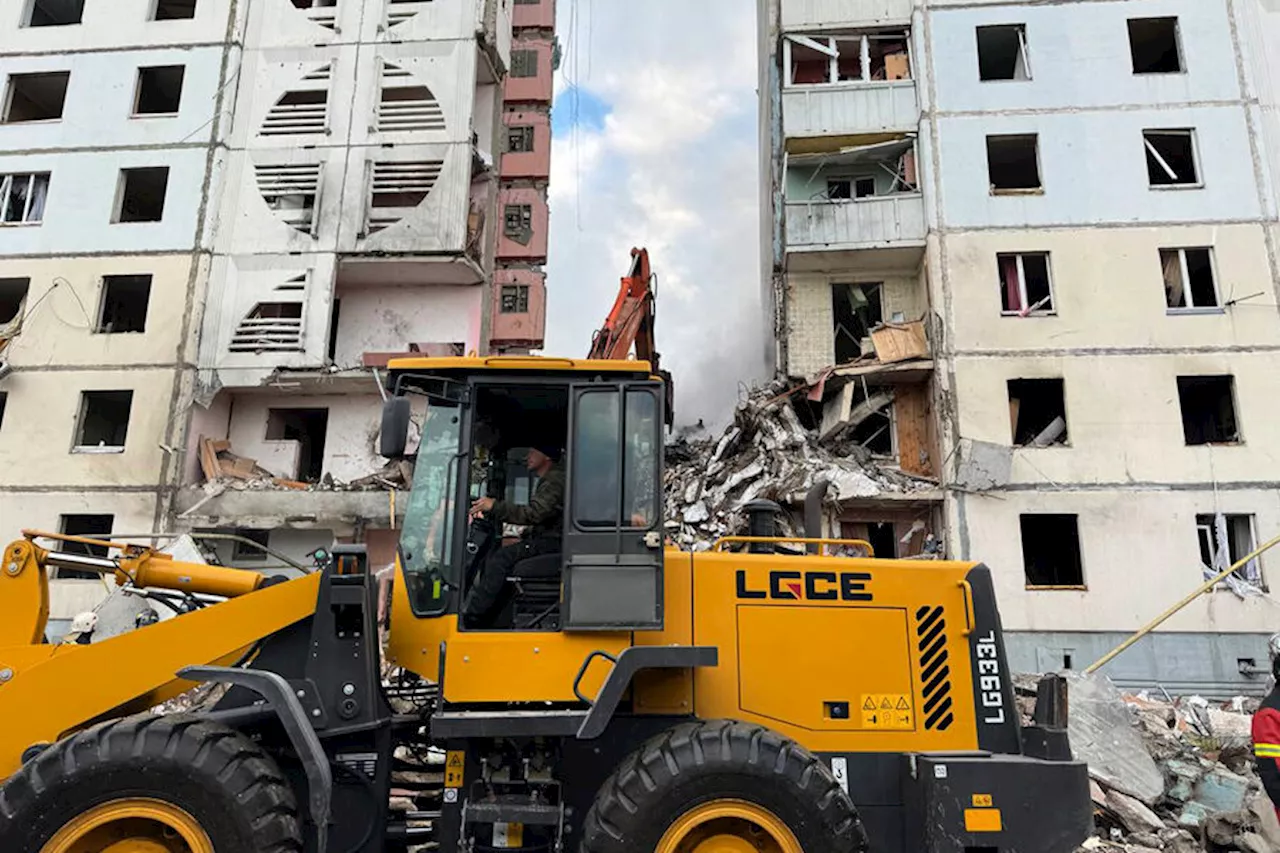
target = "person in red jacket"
x: 1266, y: 739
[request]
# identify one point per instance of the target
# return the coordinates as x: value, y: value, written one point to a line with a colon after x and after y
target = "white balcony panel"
x: 817, y: 14
x: 845, y: 109
x: 867, y: 223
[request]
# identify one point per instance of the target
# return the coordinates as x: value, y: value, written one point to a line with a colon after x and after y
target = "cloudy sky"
x: 655, y: 146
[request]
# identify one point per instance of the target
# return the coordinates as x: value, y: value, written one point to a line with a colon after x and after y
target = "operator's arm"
x: 1266, y: 751
x: 546, y: 504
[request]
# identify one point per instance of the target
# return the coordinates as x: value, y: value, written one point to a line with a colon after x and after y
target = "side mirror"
x: 395, y: 427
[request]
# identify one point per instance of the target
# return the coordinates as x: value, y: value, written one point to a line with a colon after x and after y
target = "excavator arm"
x: 630, y: 324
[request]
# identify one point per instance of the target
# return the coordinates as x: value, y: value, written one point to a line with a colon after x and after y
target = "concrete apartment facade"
x: 1080, y: 201
x: 221, y: 219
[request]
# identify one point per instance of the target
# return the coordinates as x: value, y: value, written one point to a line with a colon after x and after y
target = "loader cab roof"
x: 569, y: 368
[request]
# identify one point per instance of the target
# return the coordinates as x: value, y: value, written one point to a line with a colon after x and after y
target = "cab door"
x: 613, y: 508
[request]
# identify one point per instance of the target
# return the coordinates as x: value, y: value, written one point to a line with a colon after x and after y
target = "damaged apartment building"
x: 219, y: 220
x: 1028, y: 251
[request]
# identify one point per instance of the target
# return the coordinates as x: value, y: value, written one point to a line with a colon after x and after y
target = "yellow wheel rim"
x: 131, y: 826
x: 728, y: 826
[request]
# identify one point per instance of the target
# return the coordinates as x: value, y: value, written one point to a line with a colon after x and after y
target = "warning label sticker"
x: 454, y: 763
x: 891, y: 711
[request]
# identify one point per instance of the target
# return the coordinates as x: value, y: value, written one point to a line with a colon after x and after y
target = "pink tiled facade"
x: 525, y: 240
x: 537, y: 86
x: 515, y: 289
x: 540, y: 14
x: 522, y: 125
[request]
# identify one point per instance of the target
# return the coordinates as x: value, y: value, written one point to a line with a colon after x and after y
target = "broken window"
x: 242, y: 551
x: 1171, y: 158
x: 1002, y: 53
x: 124, y: 303
x: 307, y: 427
x: 517, y: 223
x: 856, y: 309
x: 22, y: 198
x: 520, y: 139
x: 1188, y: 278
x: 853, y: 58
x: 13, y: 295
x: 1153, y: 45
x: 54, y: 13
x: 89, y: 527
x: 174, y: 10
x: 1208, y: 409
x: 1051, y: 550
x: 1025, y: 287
x: 1225, y: 539
x: 315, y: 4
x: 104, y: 420
x: 1037, y: 412
x: 863, y: 187
x: 159, y: 90
x: 524, y: 63
x: 1013, y: 163
x: 142, y: 193
x: 515, y: 299
x: 406, y: 104
x: 270, y: 327
x: 839, y: 189
x: 291, y: 191
x: 36, y: 97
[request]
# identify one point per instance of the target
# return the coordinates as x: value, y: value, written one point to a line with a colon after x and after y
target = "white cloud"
x: 673, y: 168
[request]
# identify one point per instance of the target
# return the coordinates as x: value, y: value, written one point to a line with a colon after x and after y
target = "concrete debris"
x: 225, y: 469
x: 767, y: 453
x: 1194, y: 786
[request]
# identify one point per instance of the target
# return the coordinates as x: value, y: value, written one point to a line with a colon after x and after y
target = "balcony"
x: 889, y: 229
x: 851, y: 109
x: 801, y: 14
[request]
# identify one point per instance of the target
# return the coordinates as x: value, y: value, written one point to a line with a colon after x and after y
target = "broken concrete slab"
x: 982, y: 465
x: 1135, y: 816
x: 1100, y: 728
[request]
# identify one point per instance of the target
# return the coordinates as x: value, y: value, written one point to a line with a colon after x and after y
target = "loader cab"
x: 467, y: 425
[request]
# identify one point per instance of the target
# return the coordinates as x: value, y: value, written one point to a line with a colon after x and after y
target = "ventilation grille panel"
x: 399, y: 11
x: 291, y: 191
x: 935, y: 672
x: 406, y: 106
x: 397, y: 188
x: 301, y: 110
x: 276, y: 325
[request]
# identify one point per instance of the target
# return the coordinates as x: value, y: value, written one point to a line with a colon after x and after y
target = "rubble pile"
x: 223, y: 470
x: 766, y: 453
x: 1166, y: 774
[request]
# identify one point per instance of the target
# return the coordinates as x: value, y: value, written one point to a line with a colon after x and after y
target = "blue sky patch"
x: 580, y: 106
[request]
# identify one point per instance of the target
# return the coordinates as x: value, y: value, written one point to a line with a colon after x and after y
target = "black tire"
x: 218, y: 776
x: 700, y: 762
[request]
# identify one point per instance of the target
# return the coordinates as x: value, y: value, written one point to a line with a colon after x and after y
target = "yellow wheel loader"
x: 618, y: 696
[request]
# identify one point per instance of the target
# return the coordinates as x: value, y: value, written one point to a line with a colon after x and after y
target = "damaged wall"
x: 810, y: 313
x: 350, y: 442
x: 388, y: 319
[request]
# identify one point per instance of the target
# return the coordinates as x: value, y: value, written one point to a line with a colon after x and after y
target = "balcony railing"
x: 866, y: 223
x: 803, y: 14
x: 850, y: 108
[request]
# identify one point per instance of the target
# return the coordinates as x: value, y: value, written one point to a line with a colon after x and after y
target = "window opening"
x: 515, y: 299
x: 517, y: 223
x: 1051, y: 550
x: 1002, y: 53
x: 1188, y: 278
x: 839, y: 189
x: 90, y: 527
x: 55, y: 13
x: 13, y: 297
x: 104, y: 420
x: 174, y: 10
x: 307, y: 427
x: 1025, y: 286
x: 864, y: 187
x: 520, y: 139
x: 142, y: 193
x: 524, y: 63
x: 1037, y: 412
x: 4, y: 402
x: 124, y: 303
x: 842, y: 59
x: 1171, y: 158
x: 22, y: 198
x: 1013, y: 163
x: 334, y: 316
x: 856, y: 309
x: 36, y: 97
x: 242, y: 551
x: 159, y: 90
x: 1208, y: 409
x: 1226, y: 538
x: 600, y: 498
x: 1154, y: 45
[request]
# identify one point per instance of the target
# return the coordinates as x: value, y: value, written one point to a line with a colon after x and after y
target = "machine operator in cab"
x: 544, y: 516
